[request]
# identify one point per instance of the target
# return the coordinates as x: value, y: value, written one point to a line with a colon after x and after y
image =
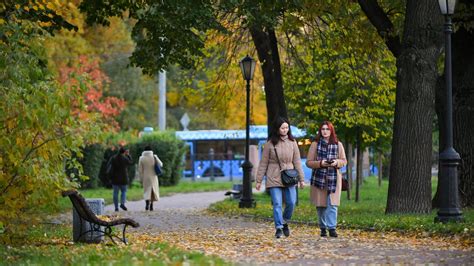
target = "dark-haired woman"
x: 146, y: 170
x: 280, y: 153
x: 119, y: 177
x: 326, y: 156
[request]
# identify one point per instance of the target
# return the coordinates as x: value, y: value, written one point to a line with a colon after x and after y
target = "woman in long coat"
x: 146, y: 170
x: 326, y: 156
x: 280, y: 153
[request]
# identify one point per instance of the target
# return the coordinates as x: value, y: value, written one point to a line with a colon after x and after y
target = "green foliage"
x: 342, y: 77
x: 90, y: 165
x: 38, y: 129
x: 169, y: 149
x: 91, y: 162
x: 137, y: 89
x: 166, y: 32
x: 368, y: 214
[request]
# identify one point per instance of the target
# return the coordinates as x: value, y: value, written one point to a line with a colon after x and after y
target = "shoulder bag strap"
x: 278, y: 159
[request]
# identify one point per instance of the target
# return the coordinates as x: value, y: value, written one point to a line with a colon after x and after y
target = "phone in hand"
x: 329, y: 161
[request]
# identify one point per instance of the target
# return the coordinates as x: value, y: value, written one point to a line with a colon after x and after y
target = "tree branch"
x: 382, y: 23
x: 33, y: 149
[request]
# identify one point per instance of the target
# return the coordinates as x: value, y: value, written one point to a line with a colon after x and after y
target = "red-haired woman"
x: 326, y: 156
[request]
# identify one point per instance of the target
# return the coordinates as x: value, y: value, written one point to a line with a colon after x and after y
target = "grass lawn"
x: 47, y: 244
x: 367, y: 214
x: 51, y: 245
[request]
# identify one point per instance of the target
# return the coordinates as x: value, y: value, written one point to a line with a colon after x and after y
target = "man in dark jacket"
x: 119, y: 176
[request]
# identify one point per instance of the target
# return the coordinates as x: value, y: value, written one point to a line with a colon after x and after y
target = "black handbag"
x: 289, y: 177
x: 344, y: 184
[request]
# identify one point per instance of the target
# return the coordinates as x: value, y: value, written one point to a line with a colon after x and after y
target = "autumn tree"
x: 110, y: 47
x: 169, y: 33
x: 93, y: 79
x: 337, y: 72
x: 38, y: 130
x: 213, y: 92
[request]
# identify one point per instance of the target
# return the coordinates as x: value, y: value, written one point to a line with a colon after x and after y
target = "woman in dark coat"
x: 119, y: 176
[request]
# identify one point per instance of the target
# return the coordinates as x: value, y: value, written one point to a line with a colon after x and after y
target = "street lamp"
x: 247, y: 65
x: 449, y: 209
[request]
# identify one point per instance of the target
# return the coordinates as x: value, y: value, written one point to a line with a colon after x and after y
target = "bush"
x: 91, y: 165
x: 169, y: 149
x: 104, y: 179
x: 40, y: 129
x: 165, y: 144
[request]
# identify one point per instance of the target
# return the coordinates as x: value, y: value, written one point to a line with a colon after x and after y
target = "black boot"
x: 151, y: 205
x: 147, y: 205
x: 278, y: 233
x: 286, y: 230
x: 323, y: 232
x: 332, y: 233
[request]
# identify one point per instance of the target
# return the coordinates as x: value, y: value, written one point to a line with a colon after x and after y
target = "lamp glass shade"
x: 447, y: 6
x: 247, y: 65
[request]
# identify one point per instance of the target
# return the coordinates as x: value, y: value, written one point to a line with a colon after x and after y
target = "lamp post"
x: 247, y: 65
x: 449, y: 209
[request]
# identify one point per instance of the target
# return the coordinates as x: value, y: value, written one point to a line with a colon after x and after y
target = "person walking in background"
x: 280, y: 153
x: 119, y: 177
x: 326, y: 156
x: 146, y: 170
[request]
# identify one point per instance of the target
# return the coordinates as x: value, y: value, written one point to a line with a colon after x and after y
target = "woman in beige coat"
x: 280, y: 153
x: 146, y: 170
x: 326, y: 156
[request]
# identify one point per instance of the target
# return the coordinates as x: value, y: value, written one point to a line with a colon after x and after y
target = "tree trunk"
x: 463, y: 109
x: 349, y: 169
x: 440, y: 108
x: 463, y: 89
x: 409, y: 188
x: 267, y: 49
x: 359, y: 167
x: 379, y: 165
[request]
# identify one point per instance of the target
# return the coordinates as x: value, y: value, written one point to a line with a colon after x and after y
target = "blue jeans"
x: 277, y: 197
x: 327, y: 215
x: 123, y: 195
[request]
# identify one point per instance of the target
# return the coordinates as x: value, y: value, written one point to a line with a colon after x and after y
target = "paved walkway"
x: 182, y: 221
x: 180, y: 211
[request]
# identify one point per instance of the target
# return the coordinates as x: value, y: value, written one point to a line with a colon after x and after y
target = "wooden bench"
x: 235, y: 194
x: 95, y: 223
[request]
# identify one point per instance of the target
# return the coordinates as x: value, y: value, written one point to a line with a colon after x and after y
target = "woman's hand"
x: 301, y: 184
x: 329, y: 163
x: 257, y: 186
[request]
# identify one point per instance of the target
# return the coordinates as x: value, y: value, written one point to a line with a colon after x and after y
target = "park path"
x: 182, y: 221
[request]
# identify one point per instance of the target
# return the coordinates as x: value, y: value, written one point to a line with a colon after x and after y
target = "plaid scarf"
x: 320, y: 176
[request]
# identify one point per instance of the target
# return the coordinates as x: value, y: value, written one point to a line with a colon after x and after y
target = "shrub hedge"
x: 169, y: 149
x: 91, y: 164
x: 166, y: 145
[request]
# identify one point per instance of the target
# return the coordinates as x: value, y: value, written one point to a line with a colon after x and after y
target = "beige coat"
x: 146, y: 171
x: 289, y: 156
x: 318, y: 196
